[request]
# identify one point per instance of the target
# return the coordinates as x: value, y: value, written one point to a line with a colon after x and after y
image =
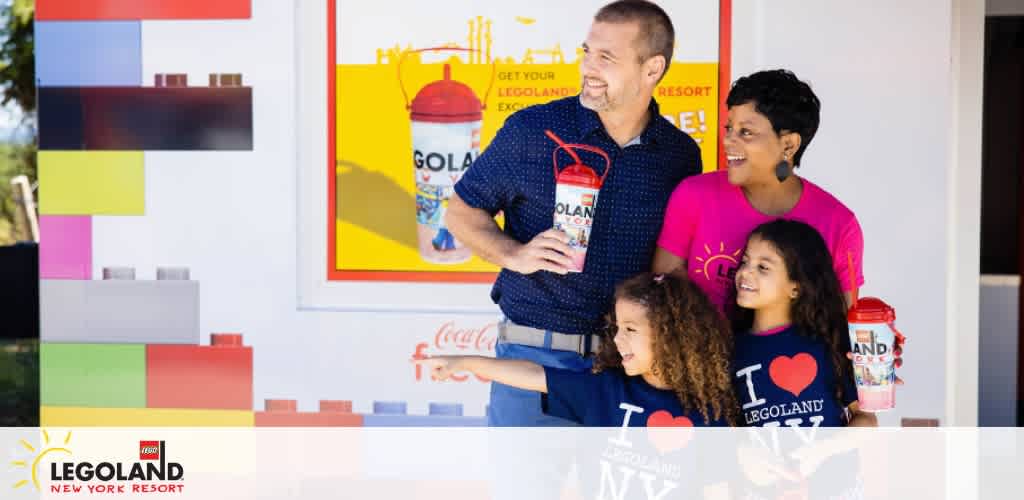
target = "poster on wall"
x: 417, y: 90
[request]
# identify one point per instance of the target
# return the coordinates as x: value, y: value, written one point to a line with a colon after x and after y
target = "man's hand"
x: 548, y: 251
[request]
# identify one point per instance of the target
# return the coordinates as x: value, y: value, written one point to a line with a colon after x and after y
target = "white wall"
x: 883, y: 73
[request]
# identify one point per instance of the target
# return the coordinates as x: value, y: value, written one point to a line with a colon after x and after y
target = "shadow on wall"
x: 375, y: 203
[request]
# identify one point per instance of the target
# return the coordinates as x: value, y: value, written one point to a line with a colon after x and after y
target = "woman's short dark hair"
x: 788, y: 103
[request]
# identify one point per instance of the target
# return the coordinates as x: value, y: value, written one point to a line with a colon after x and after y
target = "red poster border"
x: 333, y: 274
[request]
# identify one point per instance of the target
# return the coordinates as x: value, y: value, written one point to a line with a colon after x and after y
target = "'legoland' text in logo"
x: 152, y: 473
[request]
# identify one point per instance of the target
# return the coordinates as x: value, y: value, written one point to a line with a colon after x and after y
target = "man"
x: 553, y: 316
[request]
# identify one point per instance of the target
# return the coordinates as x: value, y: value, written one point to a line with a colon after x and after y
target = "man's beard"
x: 596, y: 103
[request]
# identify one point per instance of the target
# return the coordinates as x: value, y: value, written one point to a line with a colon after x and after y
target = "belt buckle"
x: 503, y: 330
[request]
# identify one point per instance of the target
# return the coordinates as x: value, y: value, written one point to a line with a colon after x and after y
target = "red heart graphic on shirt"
x: 426, y: 177
x: 668, y: 433
x: 793, y: 374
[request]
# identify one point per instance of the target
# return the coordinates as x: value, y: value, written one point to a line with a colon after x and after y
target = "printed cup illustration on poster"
x: 431, y: 87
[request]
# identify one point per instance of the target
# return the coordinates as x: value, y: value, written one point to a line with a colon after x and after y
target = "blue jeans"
x: 515, y: 477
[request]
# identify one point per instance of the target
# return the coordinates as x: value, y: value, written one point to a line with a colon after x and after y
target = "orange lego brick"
x: 283, y: 413
x: 217, y: 376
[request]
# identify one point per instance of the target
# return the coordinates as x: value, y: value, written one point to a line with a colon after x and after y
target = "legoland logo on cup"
x: 149, y: 450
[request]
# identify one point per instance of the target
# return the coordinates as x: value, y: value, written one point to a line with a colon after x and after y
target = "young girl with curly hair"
x: 666, y: 355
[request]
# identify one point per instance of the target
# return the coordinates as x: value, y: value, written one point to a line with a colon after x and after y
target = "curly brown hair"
x: 692, y: 343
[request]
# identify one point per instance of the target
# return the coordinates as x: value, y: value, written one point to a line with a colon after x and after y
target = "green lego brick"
x: 93, y: 375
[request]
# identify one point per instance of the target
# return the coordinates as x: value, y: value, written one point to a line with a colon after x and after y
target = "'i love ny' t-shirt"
x: 707, y: 222
x: 785, y: 384
x: 787, y: 378
x: 655, y: 462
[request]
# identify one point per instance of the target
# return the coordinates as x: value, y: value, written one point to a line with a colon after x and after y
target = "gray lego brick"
x: 119, y: 311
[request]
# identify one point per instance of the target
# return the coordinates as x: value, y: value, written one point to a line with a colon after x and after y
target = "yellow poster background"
x: 375, y: 186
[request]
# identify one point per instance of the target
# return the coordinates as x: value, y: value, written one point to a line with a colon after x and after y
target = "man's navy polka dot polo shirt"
x: 515, y: 175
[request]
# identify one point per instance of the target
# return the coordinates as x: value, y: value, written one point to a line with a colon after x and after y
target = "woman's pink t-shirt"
x: 708, y: 220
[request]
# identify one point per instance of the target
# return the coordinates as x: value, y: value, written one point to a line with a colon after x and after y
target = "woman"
x: 772, y: 118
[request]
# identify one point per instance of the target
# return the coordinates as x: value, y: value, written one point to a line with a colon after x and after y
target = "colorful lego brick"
x: 120, y: 310
x: 194, y: 376
x: 143, y: 9
x: 283, y: 413
x: 68, y: 416
x: 225, y: 79
x: 118, y: 273
x: 105, y: 53
x: 91, y: 183
x: 65, y: 248
x: 170, y: 80
x: 92, y: 375
x: 145, y: 118
x: 393, y: 414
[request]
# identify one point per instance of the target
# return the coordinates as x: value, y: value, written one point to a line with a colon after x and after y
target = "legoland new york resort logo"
x: 151, y: 473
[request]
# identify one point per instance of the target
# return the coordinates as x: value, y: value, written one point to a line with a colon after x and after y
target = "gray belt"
x: 512, y: 333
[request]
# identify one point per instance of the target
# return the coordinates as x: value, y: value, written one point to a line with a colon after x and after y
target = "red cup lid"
x: 446, y: 101
x: 579, y: 175
x: 871, y: 310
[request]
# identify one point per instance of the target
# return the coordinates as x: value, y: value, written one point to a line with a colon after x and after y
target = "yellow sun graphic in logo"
x: 721, y: 255
x: 46, y: 450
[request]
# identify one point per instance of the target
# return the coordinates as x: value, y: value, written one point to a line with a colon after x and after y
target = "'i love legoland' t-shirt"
x: 785, y: 384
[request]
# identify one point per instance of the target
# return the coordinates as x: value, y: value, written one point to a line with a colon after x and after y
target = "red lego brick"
x: 116, y: 10
x: 282, y: 413
x: 280, y: 405
x: 170, y: 80
x: 339, y: 406
x: 225, y: 79
x: 217, y: 376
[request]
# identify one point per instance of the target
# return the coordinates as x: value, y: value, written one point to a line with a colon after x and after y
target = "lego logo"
x: 149, y: 450
x: 863, y: 336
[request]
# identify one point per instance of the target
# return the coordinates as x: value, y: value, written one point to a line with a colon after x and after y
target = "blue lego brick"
x: 121, y: 310
x: 394, y: 414
x: 89, y: 53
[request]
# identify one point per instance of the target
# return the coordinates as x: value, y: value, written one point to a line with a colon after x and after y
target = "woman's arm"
x: 666, y: 262
x: 860, y: 418
x: 514, y: 372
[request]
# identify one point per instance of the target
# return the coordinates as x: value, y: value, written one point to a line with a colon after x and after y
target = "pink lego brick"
x: 65, y: 247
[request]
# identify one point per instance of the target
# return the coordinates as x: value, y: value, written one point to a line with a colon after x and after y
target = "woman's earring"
x: 782, y: 170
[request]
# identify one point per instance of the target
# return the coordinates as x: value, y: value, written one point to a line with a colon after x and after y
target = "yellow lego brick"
x: 91, y: 183
x: 69, y: 416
